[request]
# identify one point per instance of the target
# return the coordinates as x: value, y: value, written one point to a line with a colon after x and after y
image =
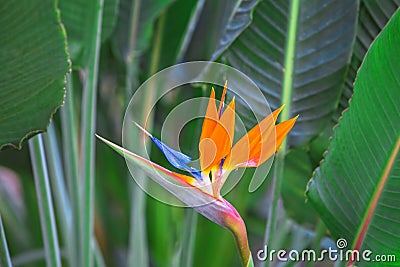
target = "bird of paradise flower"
x: 217, y: 159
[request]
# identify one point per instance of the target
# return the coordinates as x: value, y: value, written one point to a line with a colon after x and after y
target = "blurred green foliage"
x: 139, y: 38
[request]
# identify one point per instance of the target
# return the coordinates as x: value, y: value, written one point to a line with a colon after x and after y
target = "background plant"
x: 81, y: 208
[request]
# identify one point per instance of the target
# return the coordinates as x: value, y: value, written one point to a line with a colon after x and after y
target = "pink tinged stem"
x: 234, y: 223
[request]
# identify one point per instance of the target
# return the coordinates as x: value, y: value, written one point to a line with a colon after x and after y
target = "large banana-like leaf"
x: 356, y: 190
x: 76, y: 16
x: 219, y: 24
x: 297, y: 172
x: 373, y: 16
x: 298, y: 52
x: 34, y: 63
x: 135, y: 25
x: 179, y: 25
x: 237, y: 22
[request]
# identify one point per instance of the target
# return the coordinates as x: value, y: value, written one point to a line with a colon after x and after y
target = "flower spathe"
x: 218, y: 157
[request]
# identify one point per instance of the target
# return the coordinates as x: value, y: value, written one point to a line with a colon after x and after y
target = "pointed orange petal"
x: 276, y: 112
x: 269, y: 145
x: 208, y: 153
x: 210, y: 118
x: 240, y: 153
x: 223, y: 134
x: 282, y: 129
x: 248, y: 151
x: 207, y: 149
x: 221, y: 103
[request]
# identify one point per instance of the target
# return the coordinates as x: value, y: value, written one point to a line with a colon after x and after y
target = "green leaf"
x: 373, y: 16
x: 77, y: 17
x: 5, y: 259
x: 250, y: 263
x: 218, y: 25
x: 296, y: 174
x: 355, y: 190
x: 135, y: 24
x: 239, y: 19
x: 109, y: 19
x: 33, y: 62
x: 180, y: 20
x: 300, y: 163
x: 298, y: 57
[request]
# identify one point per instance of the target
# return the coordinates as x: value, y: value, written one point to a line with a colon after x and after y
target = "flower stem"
x: 235, y: 224
x: 87, y: 137
x: 189, y: 237
x: 62, y: 203
x: 5, y: 259
x: 273, y: 209
x: 70, y: 153
x: 137, y: 248
x: 138, y: 253
x: 46, y: 211
x: 287, y: 88
x: 242, y: 243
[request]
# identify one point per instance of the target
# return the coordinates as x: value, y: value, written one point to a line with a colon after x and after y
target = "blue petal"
x: 176, y: 158
x: 195, y: 173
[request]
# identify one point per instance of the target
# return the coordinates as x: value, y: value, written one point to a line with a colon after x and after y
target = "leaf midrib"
x: 370, y: 211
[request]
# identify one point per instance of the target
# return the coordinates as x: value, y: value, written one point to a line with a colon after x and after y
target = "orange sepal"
x: 246, y: 152
x: 210, y: 119
x: 276, y: 112
x: 221, y: 103
x: 206, y: 147
x: 222, y: 136
x: 258, y: 144
x: 282, y: 129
